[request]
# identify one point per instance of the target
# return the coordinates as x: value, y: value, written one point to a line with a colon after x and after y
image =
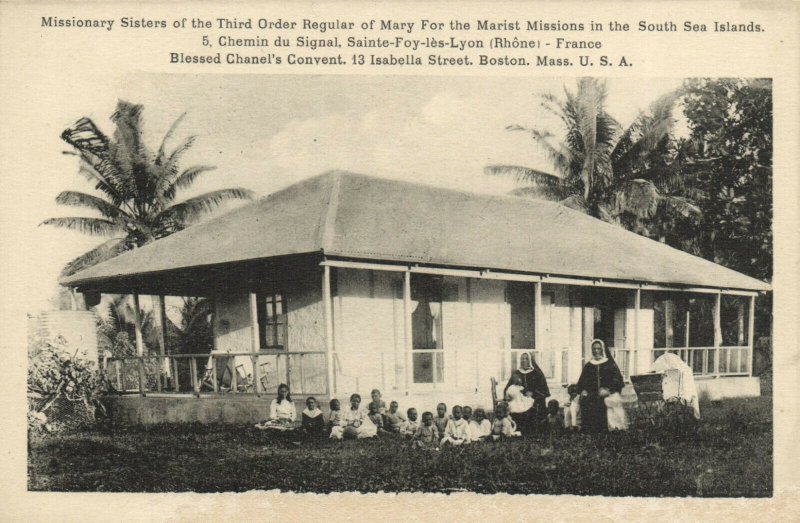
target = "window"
x: 272, y: 321
x: 426, y: 329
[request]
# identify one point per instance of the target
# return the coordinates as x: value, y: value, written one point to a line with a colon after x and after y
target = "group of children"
x: 461, y: 426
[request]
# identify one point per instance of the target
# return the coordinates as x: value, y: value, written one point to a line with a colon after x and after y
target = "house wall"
x: 306, y: 332
x: 369, y: 337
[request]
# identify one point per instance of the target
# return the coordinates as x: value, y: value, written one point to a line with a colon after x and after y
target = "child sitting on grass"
x: 572, y: 409
x: 380, y: 405
x: 354, y: 422
x: 375, y: 417
x: 441, y: 418
x: 479, y: 427
x: 336, y: 413
x: 313, y: 422
x: 393, y: 420
x: 426, y: 435
x: 455, y: 432
x: 409, y: 428
x: 503, y: 426
x: 466, y: 411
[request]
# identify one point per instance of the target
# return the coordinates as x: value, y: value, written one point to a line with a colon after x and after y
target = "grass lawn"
x: 729, y: 455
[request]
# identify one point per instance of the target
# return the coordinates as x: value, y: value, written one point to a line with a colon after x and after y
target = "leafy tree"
x: 136, y: 189
x: 731, y: 155
x: 630, y: 176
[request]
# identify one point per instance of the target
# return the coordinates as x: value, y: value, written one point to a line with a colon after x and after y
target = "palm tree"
x: 627, y: 176
x: 136, y: 187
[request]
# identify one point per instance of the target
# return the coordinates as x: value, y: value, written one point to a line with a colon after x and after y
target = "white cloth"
x: 282, y: 411
x: 617, y: 419
x: 358, y: 419
x: 477, y: 431
x: 518, y: 402
x: 456, y: 432
x: 686, y: 389
x: 572, y: 413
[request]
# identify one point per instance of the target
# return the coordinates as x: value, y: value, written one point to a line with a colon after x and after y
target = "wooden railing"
x: 704, y: 361
x: 219, y: 372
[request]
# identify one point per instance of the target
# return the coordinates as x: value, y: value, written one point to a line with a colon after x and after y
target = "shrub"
x: 62, y: 388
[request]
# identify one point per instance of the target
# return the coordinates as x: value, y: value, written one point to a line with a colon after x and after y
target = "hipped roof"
x: 340, y: 214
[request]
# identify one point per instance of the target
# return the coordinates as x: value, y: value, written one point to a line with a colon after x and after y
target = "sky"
x: 265, y: 132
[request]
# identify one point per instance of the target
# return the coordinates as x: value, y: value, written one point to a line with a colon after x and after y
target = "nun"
x: 534, y: 386
x: 600, y: 380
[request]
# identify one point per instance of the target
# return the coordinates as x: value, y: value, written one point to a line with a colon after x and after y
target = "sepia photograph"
x: 403, y: 283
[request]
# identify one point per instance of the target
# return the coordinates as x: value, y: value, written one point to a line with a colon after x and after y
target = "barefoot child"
x: 441, y: 418
x: 409, y: 428
x: 313, y: 422
x: 455, y: 433
x: 375, y: 417
x: 503, y: 426
x: 426, y: 435
x: 336, y: 413
x: 393, y: 420
x: 380, y: 405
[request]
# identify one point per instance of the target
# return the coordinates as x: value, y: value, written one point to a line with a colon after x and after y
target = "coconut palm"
x: 136, y: 188
x: 627, y: 176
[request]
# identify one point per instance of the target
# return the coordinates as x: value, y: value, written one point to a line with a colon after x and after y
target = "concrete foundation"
x: 728, y: 387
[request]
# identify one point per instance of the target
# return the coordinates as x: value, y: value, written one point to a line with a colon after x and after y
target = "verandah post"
x: 137, y: 321
x: 717, y: 331
x: 637, y: 304
x: 327, y: 311
x: 407, y: 325
x: 751, y: 321
x: 538, y: 317
x: 255, y: 341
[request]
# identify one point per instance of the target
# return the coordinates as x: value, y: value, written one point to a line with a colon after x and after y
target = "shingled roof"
x: 347, y: 215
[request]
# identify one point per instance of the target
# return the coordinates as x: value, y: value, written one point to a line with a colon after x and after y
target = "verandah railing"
x: 219, y: 372
x: 704, y: 361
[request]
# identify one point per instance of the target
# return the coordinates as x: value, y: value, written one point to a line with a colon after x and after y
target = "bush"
x: 62, y: 388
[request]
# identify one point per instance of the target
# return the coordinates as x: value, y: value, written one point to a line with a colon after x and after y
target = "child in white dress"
x: 455, y: 431
x: 518, y: 402
x: 479, y: 427
x: 354, y: 422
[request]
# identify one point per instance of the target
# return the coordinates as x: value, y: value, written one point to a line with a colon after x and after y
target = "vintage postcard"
x: 482, y: 261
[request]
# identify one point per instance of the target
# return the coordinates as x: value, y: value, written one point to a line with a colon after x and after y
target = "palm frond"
x: 522, y: 174
x: 161, y: 155
x: 194, y: 208
x: 637, y: 197
x: 104, y: 251
x: 576, y: 202
x: 93, y: 226
x: 187, y: 177
x: 79, y: 199
x: 560, y: 157
x: 85, y: 136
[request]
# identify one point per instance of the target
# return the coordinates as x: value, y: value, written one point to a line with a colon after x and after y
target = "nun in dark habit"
x: 600, y: 379
x: 534, y: 385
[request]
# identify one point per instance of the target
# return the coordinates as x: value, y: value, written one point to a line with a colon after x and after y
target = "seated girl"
x: 282, y: 413
x: 503, y: 426
x: 336, y: 413
x: 313, y: 423
x: 455, y: 433
x: 354, y: 422
x: 479, y: 427
x: 393, y: 420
